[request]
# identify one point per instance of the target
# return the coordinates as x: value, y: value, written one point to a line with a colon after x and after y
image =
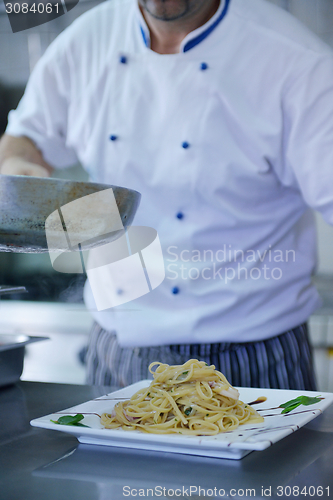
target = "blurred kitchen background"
x: 53, y: 305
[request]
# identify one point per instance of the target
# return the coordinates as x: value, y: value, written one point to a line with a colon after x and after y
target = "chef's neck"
x: 166, y: 36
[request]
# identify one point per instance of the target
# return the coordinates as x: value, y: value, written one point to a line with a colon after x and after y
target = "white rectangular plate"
x: 235, y: 444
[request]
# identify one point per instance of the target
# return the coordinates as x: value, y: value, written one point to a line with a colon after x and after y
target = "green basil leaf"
x: 291, y: 402
x: 70, y: 420
x: 307, y: 401
x: 300, y: 400
x: 290, y: 408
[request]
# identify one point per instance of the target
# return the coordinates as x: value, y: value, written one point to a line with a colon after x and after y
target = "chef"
x: 220, y: 114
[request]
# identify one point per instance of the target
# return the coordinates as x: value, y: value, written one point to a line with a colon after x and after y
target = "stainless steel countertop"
x: 38, y: 464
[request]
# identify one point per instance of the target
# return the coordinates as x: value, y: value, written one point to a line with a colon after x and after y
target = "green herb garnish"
x: 188, y: 411
x: 185, y: 373
x: 301, y: 400
x: 70, y: 420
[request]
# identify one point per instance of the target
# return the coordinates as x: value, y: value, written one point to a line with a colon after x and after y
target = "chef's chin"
x: 167, y: 10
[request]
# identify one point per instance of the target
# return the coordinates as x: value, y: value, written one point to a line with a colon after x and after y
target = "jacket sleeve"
x: 308, y: 135
x: 42, y: 114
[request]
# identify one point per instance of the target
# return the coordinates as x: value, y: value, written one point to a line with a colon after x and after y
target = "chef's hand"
x: 20, y: 156
x: 18, y: 166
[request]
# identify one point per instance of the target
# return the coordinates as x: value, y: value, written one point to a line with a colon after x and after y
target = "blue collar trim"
x: 144, y: 36
x: 195, y: 41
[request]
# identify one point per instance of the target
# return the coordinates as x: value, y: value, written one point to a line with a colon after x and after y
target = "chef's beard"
x: 170, y: 10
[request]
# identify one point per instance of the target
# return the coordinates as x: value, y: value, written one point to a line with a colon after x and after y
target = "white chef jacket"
x: 229, y: 141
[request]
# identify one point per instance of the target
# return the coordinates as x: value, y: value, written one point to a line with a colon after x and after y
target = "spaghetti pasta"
x: 192, y: 398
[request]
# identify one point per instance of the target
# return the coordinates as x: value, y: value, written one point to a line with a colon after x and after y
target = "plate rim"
x: 212, y: 444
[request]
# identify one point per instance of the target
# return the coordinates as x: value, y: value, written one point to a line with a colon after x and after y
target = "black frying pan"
x: 26, y: 202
